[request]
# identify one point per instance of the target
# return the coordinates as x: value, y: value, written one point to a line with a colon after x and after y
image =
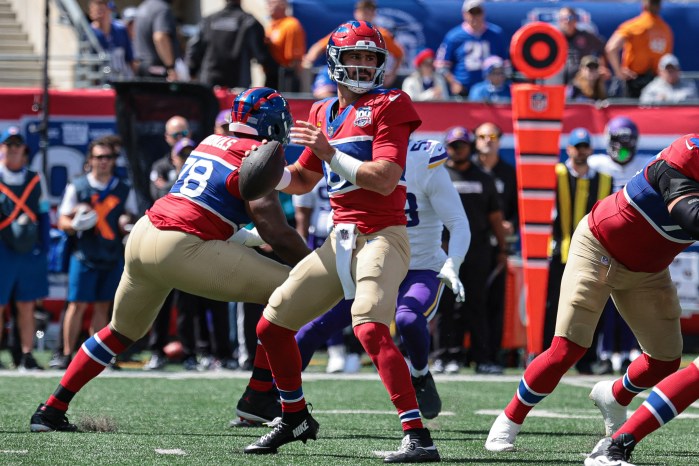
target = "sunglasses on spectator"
x: 490, y: 137
x: 568, y: 17
x: 14, y: 144
x: 179, y: 134
x: 476, y: 11
x: 105, y: 157
x: 582, y: 145
x: 592, y: 66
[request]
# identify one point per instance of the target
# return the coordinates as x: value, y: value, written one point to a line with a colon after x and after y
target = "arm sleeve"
x: 69, y: 201
x: 447, y: 204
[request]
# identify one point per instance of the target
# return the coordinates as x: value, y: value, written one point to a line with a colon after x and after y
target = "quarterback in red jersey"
x: 191, y: 239
x: 358, y: 141
x: 622, y: 248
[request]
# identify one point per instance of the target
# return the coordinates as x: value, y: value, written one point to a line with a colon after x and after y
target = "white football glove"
x: 84, y: 219
x: 249, y: 238
x: 450, y: 276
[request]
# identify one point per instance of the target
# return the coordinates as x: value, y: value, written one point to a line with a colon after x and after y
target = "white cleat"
x: 502, y: 435
x: 613, y: 413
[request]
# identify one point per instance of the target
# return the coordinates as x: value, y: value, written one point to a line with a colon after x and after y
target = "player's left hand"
x: 450, y: 276
x: 306, y: 134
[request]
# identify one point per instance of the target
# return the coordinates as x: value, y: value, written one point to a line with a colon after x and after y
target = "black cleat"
x: 256, y: 408
x: 427, y: 397
x: 416, y: 447
x: 612, y: 452
x: 28, y: 363
x: 48, y: 419
x: 283, y: 433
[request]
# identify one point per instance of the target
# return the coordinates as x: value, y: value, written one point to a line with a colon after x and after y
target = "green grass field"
x: 182, y: 418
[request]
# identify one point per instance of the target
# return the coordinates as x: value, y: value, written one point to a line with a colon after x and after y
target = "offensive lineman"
x: 181, y: 243
x: 623, y: 248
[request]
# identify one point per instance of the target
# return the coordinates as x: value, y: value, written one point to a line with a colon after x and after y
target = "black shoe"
x: 48, y: 419
x: 28, y: 363
x: 255, y: 408
x: 621, y: 448
x: 427, y: 397
x: 416, y: 447
x: 190, y: 363
x: 302, y: 430
x: 610, y: 451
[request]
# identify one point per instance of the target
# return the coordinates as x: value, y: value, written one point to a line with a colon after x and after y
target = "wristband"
x: 285, y: 181
x: 345, y: 165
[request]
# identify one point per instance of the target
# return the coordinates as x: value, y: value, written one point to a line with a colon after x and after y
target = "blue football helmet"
x: 622, y: 134
x: 356, y: 35
x: 261, y: 112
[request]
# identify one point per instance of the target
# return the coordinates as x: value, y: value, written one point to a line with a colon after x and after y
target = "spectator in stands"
x: 94, y: 209
x: 669, y: 87
x: 581, y: 43
x: 114, y: 39
x: 479, y: 197
x: 424, y: 83
x: 128, y: 17
x: 220, y: 53
x: 364, y: 10
x: 644, y: 40
x: 588, y: 83
x: 464, y: 48
x: 163, y: 174
x: 24, y: 240
x: 287, y: 43
x: 323, y: 86
x: 495, y: 87
x: 156, y: 48
x: 578, y: 187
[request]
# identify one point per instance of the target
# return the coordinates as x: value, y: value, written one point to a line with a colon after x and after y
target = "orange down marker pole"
x: 539, y: 51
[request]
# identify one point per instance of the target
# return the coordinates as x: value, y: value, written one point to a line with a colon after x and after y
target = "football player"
x: 667, y: 400
x: 622, y: 248
x: 181, y: 243
x: 359, y: 141
x: 432, y: 203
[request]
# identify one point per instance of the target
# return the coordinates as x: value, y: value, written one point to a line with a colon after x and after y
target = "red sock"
x: 395, y: 375
x: 285, y: 360
x: 92, y: 357
x: 542, y: 377
x: 667, y: 400
x: 261, y: 378
x: 643, y: 373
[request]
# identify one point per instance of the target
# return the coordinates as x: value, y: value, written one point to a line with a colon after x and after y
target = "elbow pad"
x: 686, y: 214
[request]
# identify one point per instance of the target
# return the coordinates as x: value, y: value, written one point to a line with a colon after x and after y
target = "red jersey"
x: 634, y: 224
x: 375, y: 127
x: 205, y: 200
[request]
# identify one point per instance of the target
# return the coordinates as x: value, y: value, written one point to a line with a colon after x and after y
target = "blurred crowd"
x: 472, y: 62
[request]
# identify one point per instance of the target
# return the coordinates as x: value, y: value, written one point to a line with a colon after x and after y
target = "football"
x: 261, y: 171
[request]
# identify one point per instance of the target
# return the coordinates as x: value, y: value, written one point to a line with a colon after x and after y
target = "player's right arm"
x: 271, y: 224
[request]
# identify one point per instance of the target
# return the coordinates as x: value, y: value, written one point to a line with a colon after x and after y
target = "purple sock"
x: 312, y: 335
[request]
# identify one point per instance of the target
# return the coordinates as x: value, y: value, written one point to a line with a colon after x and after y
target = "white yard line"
x: 174, y: 451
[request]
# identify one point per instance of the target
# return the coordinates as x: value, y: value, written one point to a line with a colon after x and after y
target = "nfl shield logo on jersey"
x: 363, y: 117
x: 539, y: 102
